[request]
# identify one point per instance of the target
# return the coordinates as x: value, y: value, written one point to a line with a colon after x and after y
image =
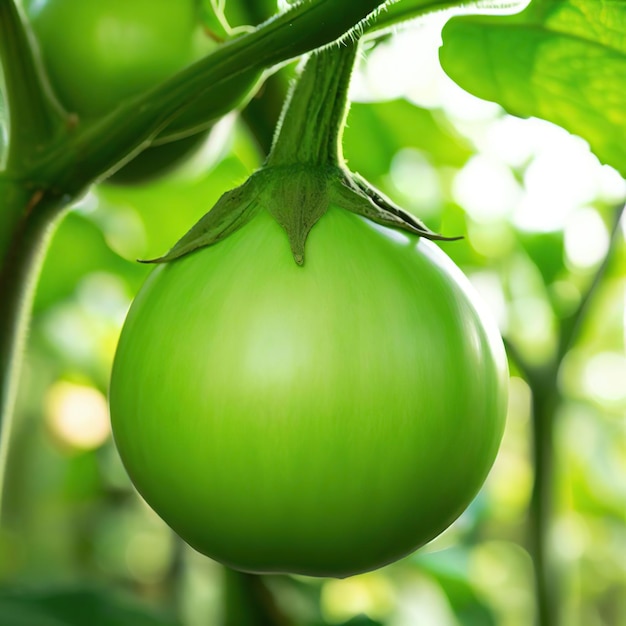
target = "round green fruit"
x: 322, y: 420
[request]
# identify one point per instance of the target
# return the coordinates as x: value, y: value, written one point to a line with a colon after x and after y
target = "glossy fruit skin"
x: 322, y: 420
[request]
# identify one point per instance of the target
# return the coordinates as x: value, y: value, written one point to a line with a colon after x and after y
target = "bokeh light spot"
x: 77, y: 415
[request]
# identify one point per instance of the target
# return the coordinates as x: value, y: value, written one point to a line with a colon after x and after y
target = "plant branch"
x: 547, y: 587
x: 20, y: 266
x: 543, y: 381
x: 404, y: 11
x: 100, y: 147
x: 569, y: 332
x: 526, y: 369
x: 34, y: 114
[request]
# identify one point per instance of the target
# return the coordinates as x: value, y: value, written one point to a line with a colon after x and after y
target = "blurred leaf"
x: 469, y: 609
x: 560, y: 60
x: 450, y: 569
x: 83, y: 480
x: 242, y: 12
x: 77, y: 249
x: 546, y: 250
x: 168, y: 208
x: 377, y: 131
x: 77, y: 607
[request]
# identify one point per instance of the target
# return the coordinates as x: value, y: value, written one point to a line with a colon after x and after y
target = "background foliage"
x: 535, y: 206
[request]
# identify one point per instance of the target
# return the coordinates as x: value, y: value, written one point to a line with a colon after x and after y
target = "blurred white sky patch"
x: 586, y: 239
x: 423, y: 602
x: 409, y: 165
x: 560, y: 178
x: 105, y: 295
x: 486, y: 189
x: 489, y: 285
x: 604, y: 377
x: 407, y: 65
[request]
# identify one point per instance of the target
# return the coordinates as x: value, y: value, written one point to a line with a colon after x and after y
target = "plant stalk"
x: 543, y: 382
x: 21, y: 256
x: 312, y: 122
x: 545, y: 399
x: 86, y: 154
x: 34, y: 113
x: 399, y: 13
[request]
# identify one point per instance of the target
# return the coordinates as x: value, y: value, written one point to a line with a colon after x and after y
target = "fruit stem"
x: 314, y: 115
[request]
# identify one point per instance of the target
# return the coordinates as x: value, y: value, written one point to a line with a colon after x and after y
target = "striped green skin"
x: 322, y: 420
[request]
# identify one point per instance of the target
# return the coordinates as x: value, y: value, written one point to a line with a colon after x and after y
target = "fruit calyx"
x: 297, y: 196
x: 305, y: 172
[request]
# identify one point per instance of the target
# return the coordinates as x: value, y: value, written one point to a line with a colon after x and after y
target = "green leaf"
x: 450, y: 569
x: 547, y: 252
x: 77, y: 249
x: 375, y: 132
x: 560, y: 60
x: 73, y: 607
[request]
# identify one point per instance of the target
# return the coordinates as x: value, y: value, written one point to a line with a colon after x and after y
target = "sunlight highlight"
x: 77, y: 415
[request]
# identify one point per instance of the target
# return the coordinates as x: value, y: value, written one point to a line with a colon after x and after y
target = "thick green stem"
x: 405, y: 11
x: 547, y: 587
x: 20, y: 260
x: 34, y: 114
x: 312, y: 124
x: 95, y: 150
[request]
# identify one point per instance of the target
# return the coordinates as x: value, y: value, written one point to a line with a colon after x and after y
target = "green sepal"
x: 233, y: 210
x: 357, y: 195
x: 297, y: 197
